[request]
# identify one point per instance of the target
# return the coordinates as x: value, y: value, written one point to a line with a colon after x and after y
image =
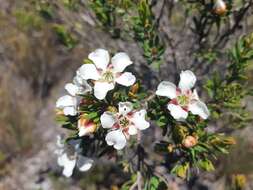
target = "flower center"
x: 108, y: 76
x: 124, y: 122
x: 183, y: 100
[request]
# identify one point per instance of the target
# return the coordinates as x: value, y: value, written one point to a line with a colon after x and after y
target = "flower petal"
x: 101, y: 89
x: 59, y: 141
x: 125, y: 107
x: 139, y: 120
x: 132, y: 130
x: 65, y: 101
x: 100, y: 58
x: 195, y: 95
x: 107, y: 120
x: 67, y: 164
x: 71, y: 88
x: 83, y: 86
x: 166, y: 88
x: 116, y: 139
x: 70, y: 110
x: 199, y: 108
x: 84, y: 163
x: 88, y: 71
x: 187, y: 80
x: 126, y: 79
x: 177, y: 112
x: 120, y: 61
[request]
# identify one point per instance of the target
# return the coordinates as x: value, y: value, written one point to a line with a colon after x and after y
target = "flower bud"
x: 220, y: 7
x: 85, y: 126
x: 170, y: 148
x: 239, y: 181
x: 112, y: 109
x: 190, y: 141
x: 133, y: 90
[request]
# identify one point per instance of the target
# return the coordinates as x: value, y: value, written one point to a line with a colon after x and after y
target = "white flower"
x: 78, y: 87
x: 183, y: 99
x: 68, y: 104
x: 123, y: 124
x: 105, y: 75
x: 69, y: 157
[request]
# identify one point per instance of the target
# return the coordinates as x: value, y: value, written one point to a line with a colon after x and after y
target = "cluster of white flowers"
x: 103, y: 75
x: 100, y: 77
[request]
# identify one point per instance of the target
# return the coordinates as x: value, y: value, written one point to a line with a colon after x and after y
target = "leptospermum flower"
x: 69, y: 156
x: 106, y: 74
x: 123, y: 124
x: 78, y: 87
x: 182, y: 98
x: 85, y: 126
x: 68, y: 103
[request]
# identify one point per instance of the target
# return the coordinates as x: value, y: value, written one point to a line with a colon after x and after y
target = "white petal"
x: 70, y: 111
x: 139, y: 120
x: 71, y: 88
x: 67, y: 164
x: 126, y: 79
x: 83, y: 86
x: 65, y: 101
x: 116, y: 139
x: 125, y: 107
x: 107, y: 120
x: 82, y: 131
x: 120, y: 61
x: 100, y: 58
x: 195, y: 95
x: 177, y: 112
x: 187, y: 80
x: 84, y: 163
x: 166, y: 88
x: 132, y: 130
x: 199, y: 108
x: 101, y: 89
x: 88, y: 71
x: 59, y: 141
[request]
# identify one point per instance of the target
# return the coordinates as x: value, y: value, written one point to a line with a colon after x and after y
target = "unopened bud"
x: 220, y: 7
x: 133, y: 90
x: 112, y: 109
x: 239, y: 181
x: 190, y: 141
x: 170, y: 148
x: 85, y: 126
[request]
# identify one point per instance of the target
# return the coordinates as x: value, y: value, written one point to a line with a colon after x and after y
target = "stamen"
x: 108, y: 76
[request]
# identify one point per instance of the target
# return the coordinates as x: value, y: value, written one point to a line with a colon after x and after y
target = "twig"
x: 137, y: 183
x: 162, y: 178
x: 160, y: 14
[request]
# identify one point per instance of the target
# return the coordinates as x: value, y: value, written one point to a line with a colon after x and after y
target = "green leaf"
x: 181, y: 170
x: 206, y: 165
